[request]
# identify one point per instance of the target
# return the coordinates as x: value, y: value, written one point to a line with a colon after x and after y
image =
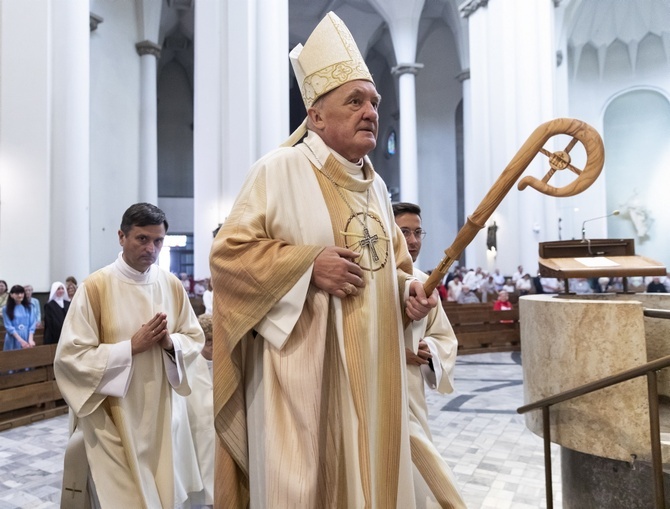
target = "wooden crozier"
x: 560, y: 160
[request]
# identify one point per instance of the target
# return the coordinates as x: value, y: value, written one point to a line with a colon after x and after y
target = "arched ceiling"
x: 602, y: 23
x: 598, y: 23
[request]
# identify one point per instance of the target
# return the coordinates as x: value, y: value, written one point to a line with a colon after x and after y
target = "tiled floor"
x: 497, y: 461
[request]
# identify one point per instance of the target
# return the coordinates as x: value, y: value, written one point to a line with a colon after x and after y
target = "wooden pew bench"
x: 480, y: 329
x: 38, y: 336
x: 29, y: 393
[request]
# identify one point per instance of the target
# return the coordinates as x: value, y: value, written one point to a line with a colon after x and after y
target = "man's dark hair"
x: 406, y: 208
x: 142, y: 214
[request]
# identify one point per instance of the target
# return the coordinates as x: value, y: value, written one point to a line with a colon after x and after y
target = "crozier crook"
x: 560, y: 160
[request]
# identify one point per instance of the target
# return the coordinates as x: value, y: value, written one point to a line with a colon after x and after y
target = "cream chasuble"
x: 310, y: 403
x: 128, y: 439
x: 434, y: 482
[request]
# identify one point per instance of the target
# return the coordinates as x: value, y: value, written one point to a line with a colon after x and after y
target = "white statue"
x: 638, y: 214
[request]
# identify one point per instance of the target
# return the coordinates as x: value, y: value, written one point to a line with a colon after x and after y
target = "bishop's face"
x: 346, y: 118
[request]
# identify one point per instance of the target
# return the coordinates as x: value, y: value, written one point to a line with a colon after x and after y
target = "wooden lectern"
x: 591, y: 258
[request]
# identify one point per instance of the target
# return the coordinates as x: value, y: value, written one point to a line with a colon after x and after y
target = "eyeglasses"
x: 418, y: 233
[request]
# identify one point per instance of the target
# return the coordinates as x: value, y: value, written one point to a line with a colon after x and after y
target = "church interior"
x: 105, y: 103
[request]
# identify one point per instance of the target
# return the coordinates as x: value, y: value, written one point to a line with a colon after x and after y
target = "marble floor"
x: 498, y: 463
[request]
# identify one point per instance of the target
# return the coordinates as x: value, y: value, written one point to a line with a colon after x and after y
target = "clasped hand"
x: 421, y: 357
x: 418, y: 305
x: 155, y: 331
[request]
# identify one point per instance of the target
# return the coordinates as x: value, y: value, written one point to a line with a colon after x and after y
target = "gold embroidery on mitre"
x: 329, y: 59
x: 370, y: 240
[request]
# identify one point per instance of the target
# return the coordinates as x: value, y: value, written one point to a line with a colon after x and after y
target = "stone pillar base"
x: 601, y: 483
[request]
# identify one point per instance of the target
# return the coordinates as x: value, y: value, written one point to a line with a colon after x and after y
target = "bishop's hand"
x: 336, y: 273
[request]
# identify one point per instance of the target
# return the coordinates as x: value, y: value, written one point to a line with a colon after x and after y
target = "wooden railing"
x: 649, y: 370
x: 479, y: 328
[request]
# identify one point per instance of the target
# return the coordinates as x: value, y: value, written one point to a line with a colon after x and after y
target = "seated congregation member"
x: 473, y: 278
x: 488, y: 290
x: 454, y: 289
x: 503, y: 304
x: 581, y: 285
x: 524, y: 285
x: 54, y: 313
x: 550, y: 285
x: 19, y: 320
x: 127, y: 344
x: 467, y: 296
x: 498, y: 279
x: 655, y: 286
x: 509, y: 286
x: 430, y: 348
x: 518, y: 274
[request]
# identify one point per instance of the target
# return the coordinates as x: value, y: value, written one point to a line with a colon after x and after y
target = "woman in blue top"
x: 19, y: 320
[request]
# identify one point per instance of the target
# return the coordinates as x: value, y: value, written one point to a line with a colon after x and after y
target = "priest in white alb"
x: 129, y: 336
x: 311, y: 281
x: 430, y: 348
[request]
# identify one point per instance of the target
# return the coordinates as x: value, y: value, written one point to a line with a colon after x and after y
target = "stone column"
x: 207, y: 130
x: 409, y: 162
x: 512, y: 64
x: 403, y: 18
x: 241, y: 104
x: 149, y: 53
x: 69, y: 219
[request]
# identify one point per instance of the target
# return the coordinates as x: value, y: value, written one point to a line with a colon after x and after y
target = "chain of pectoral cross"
x: 367, y: 240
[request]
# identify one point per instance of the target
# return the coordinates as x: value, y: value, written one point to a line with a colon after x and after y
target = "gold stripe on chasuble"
x: 95, y: 288
x: 377, y: 400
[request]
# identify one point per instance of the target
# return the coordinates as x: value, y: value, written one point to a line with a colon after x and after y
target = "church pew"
x: 29, y: 393
x: 38, y: 336
x: 480, y: 329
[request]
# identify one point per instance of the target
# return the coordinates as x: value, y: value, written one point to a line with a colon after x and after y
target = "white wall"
x: 590, y: 94
x: 637, y: 130
x: 24, y: 144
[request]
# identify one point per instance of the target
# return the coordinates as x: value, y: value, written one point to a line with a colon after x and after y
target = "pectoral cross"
x: 369, y: 241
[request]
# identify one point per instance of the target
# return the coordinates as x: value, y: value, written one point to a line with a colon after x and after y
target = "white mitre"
x: 328, y: 59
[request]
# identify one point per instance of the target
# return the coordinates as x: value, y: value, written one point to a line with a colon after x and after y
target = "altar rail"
x: 480, y: 329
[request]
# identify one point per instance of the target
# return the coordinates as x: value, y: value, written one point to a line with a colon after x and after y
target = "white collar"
x: 132, y: 274
x: 320, y: 152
